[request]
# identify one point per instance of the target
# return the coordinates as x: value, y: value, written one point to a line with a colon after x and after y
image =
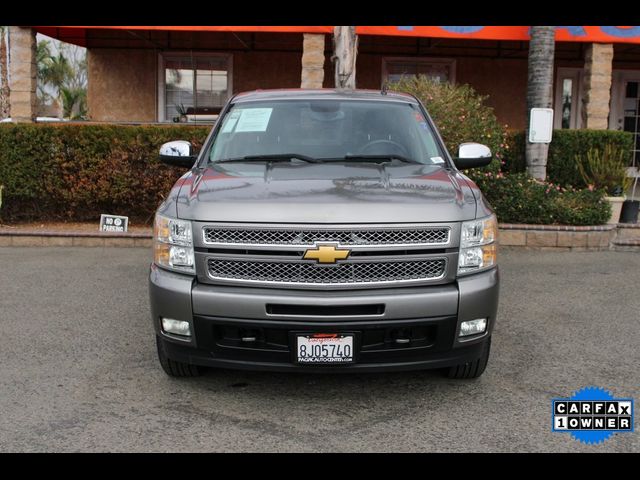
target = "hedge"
x: 76, y: 172
x: 565, y: 145
x: 518, y: 198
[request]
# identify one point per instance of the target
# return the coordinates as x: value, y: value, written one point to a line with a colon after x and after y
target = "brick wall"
x: 123, y: 80
x: 122, y: 85
x: 123, y: 67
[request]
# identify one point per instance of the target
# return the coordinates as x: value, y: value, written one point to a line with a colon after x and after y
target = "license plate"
x: 324, y: 348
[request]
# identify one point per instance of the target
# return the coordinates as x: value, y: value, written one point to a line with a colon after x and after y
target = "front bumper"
x: 220, y: 316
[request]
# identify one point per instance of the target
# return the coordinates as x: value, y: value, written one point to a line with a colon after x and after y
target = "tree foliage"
x: 63, y: 77
x: 460, y: 113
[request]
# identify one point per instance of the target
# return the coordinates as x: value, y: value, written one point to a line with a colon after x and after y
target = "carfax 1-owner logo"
x: 592, y: 415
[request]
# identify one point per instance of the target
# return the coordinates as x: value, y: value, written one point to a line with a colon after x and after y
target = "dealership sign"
x: 610, y: 34
x: 541, y: 125
x: 113, y: 223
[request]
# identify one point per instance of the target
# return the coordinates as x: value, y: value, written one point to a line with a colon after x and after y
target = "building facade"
x: 165, y: 74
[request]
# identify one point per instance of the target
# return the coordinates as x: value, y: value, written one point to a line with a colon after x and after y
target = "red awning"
x: 592, y: 34
x: 78, y: 34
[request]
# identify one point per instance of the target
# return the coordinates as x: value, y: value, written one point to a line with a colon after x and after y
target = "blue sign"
x: 592, y: 415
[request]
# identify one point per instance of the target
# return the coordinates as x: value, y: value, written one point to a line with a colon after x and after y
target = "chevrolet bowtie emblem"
x: 326, y: 254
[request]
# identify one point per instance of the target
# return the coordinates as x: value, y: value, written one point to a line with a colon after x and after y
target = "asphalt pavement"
x: 79, y: 369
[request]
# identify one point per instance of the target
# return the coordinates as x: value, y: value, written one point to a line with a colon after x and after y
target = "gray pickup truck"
x: 324, y: 231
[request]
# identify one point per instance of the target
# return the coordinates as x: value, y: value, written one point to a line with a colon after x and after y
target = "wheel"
x: 173, y: 368
x: 474, y: 368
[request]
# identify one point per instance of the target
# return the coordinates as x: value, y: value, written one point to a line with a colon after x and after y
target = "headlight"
x: 173, y: 244
x: 478, y: 250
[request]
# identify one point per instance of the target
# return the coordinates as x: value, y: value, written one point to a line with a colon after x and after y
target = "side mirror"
x: 472, y: 155
x: 178, y: 154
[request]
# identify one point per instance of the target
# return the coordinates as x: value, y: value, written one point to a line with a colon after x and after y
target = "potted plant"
x: 182, y: 114
x: 630, y: 208
x: 607, y: 169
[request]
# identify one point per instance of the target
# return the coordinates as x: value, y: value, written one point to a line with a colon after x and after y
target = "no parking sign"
x: 113, y: 223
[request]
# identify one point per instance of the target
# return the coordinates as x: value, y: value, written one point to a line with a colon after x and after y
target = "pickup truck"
x: 324, y: 231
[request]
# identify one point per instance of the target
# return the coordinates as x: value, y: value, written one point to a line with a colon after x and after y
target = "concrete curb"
x: 30, y: 238
x: 529, y: 237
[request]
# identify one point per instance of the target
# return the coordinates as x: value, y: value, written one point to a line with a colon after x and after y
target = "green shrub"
x: 460, y: 114
x: 565, y: 145
x: 514, y: 158
x: 518, y: 198
x: 606, y: 169
x: 76, y: 172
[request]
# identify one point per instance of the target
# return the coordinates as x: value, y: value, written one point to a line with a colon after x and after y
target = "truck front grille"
x: 370, y: 272
x: 382, y: 255
x: 308, y: 236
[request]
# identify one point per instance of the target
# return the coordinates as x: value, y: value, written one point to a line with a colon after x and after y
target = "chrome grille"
x: 315, y: 274
x: 307, y: 237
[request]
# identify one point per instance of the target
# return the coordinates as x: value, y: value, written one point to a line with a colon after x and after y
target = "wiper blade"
x: 278, y: 157
x: 379, y: 158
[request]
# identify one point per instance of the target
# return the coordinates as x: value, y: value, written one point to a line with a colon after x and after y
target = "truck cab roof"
x: 324, y: 94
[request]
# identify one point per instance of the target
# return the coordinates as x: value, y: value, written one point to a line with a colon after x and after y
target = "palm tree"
x: 5, y: 105
x: 43, y: 58
x: 65, y: 75
x: 57, y: 71
x: 539, y: 89
x: 74, y: 90
x: 74, y: 102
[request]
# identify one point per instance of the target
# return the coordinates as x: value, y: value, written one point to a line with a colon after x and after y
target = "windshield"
x: 326, y: 129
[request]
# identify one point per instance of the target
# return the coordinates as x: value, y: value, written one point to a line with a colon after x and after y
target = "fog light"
x: 177, y: 327
x: 473, y: 327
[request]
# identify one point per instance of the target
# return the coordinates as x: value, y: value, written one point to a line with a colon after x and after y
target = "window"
x: 625, y: 105
x: 439, y: 69
x: 568, y: 101
x: 195, y: 85
x: 631, y: 121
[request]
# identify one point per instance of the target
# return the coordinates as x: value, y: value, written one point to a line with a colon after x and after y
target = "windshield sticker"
x: 437, y: 159
x: 231, y: 121
x: 421, y: 120
x: 254, y: 120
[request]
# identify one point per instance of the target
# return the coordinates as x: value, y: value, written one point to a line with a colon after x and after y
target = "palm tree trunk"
x: 345, y: 43
x: 5, y: 106
x: 539, y: 89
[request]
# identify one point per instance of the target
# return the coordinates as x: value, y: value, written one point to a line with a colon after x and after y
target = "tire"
x: 474, y: 368
x: 173, y: 368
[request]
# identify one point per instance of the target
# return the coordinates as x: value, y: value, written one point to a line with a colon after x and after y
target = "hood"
x: 272, y: 192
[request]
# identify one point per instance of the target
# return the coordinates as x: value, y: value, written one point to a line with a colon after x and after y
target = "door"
x: 568, y: 98
x: 625, y: 106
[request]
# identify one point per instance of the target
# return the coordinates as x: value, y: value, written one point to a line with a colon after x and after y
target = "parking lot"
x: 79, y: 369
